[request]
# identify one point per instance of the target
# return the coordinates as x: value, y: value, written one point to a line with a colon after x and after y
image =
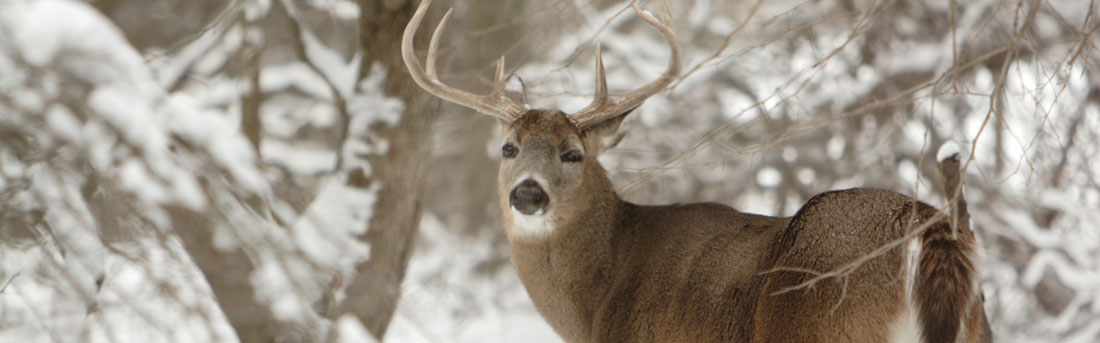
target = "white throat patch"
x: 537, y: 225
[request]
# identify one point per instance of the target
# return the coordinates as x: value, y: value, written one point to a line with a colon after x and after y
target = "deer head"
x: 549, y: 173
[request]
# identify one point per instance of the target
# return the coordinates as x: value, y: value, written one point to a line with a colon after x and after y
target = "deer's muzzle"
x: 528, y: 197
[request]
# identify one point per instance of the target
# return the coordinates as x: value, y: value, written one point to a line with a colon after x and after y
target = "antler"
x: 603, y: 107
x: 495, y: 103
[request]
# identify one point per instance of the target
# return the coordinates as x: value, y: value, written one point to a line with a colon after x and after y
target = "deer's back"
x: 696, y: 272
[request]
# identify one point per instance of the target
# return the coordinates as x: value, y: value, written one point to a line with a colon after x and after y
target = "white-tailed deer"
x: 600, y: 269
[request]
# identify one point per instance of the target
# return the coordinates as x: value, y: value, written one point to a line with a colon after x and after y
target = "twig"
x: 722, y: 48
x: 12, y: 278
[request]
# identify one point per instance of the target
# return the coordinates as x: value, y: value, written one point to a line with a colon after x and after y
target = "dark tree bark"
x: 372, y: 296
x: 251, y: 125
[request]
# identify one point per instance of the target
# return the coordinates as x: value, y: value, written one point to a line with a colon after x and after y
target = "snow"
x: 371, y: 104
x: 169, y: 68
x: 136, y: 179
x: 343, y: 75
x: 33, y: 28
x: 127, y: 113
x: 62, y: 122
x: 170, y: 303
x: 131, y: 306
x: 947, y: 150
x: 769, y: 177
x: 217, y: 135
x: 254, y: 10
x: 326, y: 231
x: 277, y: 285
x: 342, y: 9
x: 907, y: 170
x: 806, y: 176
x: 299, y: 159
x: 1077, y: 278
x: 350, y: 330
x: 834, y: 148
x: 296, y: 75
x: 446, y: 300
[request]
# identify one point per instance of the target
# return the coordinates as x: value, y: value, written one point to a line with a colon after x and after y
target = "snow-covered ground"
x: 169, y: 303
x: 447, y: 300
x: 444, y: 300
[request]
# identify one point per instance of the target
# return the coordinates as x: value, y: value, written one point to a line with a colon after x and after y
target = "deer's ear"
x: 608, y: 127
x: 605, y: 132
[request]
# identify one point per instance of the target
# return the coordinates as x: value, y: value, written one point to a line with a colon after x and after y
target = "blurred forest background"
x: 266, y: 171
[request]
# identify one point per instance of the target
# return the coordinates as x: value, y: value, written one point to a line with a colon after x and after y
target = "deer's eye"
x: 572, y: 156
x: 509, y: 150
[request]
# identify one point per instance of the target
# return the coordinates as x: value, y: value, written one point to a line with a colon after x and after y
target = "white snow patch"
x: 948, y: 149
x: 806, y: 176
x: 371, y: 104
x: 151, y: 293
x: 350, y: 330
x: 834, y: 148
x: 327, y: 231
x: 341, y: 74
x: 34, y: 28
x: 62, y: 122
x: 136, y: 179
x: 1070, y: 274
x: 907, y: 171
x: 301, y: 159
x: 295, y: 75
x: 219, y: 136
x: 285, y: 285
x: 446, y: 298
x: 737, y: 105
x: 790, y: 154
x: 129, y: 112
x: 769, y: 177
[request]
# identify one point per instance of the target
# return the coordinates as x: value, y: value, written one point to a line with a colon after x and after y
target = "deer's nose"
x: 528, y: 197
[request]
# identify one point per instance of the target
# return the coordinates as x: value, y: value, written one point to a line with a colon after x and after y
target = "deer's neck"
x: 566, y: 272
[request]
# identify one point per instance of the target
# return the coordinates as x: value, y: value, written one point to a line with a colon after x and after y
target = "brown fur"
x: 613, y: 271
x: 824, y: 236
x: 946, y: 275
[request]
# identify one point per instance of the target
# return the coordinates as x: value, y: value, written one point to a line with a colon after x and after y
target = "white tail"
x: 600, y: 269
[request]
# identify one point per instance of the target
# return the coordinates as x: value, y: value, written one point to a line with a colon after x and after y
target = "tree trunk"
x: 229, y: 274
x: 372, y: 296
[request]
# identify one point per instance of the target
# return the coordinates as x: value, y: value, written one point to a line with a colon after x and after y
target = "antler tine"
x: 495, y: 103
x: 603, y: 107
x: 601, y: 80
x: 434, y: 43
x: 498, y: 78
